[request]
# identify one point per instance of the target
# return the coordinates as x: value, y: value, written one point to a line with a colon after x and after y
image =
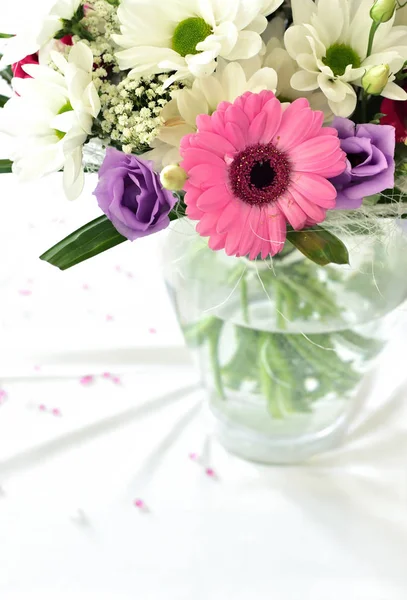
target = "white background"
x: 333, y: 529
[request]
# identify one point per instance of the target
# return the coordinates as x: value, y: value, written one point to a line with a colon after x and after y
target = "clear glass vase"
x: 284, y: 345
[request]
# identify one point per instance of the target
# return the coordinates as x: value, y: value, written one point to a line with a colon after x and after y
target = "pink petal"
x: 217, y: 241
x: 318, y: 118
x: 207, y: 225
x: 274, y: 115
x: 315, y: 213
x: 235, y: 135
x: 218, y: 123
x: 257, y: 128
x: 195, y: 156
x: 228, y: 217
x: 277, y: 228
x: 253, y: 106
x: 204, y: 123
x: 292, y: 212
x: 250, y: 234
x: 294, y: 128
x: 186, y: 142
x: 216, y: 144
x: 236, y: 115
x: 207, y: 176
x: 233, y: 237
x: 315, y: 188
x: 214, y: 199
x: 329, y: 131
x: 318, y: 154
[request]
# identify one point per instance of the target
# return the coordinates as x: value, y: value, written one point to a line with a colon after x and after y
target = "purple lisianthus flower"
x: 370, y: 165
x: 131, y: 195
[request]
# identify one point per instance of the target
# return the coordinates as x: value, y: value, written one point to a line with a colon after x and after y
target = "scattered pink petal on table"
x: 210, y: 473
x: 109, y: 318
x: 25, y: 292
x: 37, y: 368
x: 86, y: 380
x: 152, y: 330
x: 118, y: 268
x: 85, y: 286
x: 130, y: 275
x: 42, y: 407
x: 140, y: 504
x: 56, y: 412
x: 193, y: 456
x: 116, y: 379
x: 106, y: 375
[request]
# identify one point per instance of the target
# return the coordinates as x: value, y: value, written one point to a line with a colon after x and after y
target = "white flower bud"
x: 375, y: 79
x: 383, y: 10
x: 173, y: 178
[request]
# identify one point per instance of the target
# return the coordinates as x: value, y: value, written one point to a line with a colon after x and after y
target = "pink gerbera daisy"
x: 253, y: 166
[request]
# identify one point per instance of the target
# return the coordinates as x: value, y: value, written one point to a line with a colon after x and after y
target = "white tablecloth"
x: 75, y: 453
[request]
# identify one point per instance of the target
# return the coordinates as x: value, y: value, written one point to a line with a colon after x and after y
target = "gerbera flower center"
x: 260, y: 174
x: 188, y: 34
x: 339, y: 56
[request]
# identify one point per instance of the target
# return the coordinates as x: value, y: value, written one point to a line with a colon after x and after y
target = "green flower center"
x: 188, y: 34
x: 339, y: 56
x: 66, y: 108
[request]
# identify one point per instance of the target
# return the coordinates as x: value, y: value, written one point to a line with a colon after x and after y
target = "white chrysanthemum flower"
x: 189, y: 37
x: 50, y: 118
x: 276, y: 57
x: 40, y: 33
x: 179, y: 116
x: 329, y: 41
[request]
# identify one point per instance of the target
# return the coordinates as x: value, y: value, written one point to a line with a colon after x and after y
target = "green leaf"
x: 6, y: 35
x: 3, y: 100
x: 320, y: 246
x: 90, y: 240
x: 5, y: 166
x: 7, y: 75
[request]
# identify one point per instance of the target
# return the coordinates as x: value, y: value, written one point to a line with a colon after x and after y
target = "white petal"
x: 211, y: 89
x: 202, y: 64
x: 302, y: 11
x: 258, y: 25
x: 225, y: 36
x: 296, y: 41
x: 233, y: 81
x: 73, y: 175
x: 64, y: 122
x: 81, y: 56
x: 344, y: 108
x: 394, y: 92
x: 270, y: 6
x: 304, y: 81
x: 248, y: 10
x: 265, y: 79
x: 334, y: 90
x: 191, y: 104
x: 248, y: 45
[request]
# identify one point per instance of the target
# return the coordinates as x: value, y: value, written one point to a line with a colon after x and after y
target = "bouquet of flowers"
x: 273, y: 125
x: 260, y: 115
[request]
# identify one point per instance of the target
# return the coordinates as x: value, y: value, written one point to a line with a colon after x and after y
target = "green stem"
x: 363, y: 107
x: 244, y: 300
x: 214, y: 358
x: 266, y: 381
x: 375, y: 26
x: 281, y: 323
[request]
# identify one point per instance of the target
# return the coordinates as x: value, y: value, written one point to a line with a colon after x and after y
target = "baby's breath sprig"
x: 131, y: 112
